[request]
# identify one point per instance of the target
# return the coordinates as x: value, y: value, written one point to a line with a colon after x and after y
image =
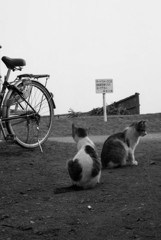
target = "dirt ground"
x: 125, y: 205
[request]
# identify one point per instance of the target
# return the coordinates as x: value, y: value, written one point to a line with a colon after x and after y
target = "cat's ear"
x: 88, y: 130
x: 73, y: 126
x: 73, y: 130
x: 142, y: 122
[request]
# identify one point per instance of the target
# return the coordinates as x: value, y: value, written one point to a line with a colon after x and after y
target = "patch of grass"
x: 62, y: 125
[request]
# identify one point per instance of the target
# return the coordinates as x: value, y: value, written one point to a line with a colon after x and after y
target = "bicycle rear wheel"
x: 32, y: 114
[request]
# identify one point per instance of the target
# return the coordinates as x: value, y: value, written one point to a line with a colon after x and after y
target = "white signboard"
x: 104, y: 85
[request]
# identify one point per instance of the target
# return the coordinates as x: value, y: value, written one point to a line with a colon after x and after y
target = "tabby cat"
x: 118, y: 149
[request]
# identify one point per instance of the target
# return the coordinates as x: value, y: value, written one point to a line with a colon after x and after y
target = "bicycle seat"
x: 12, y: 63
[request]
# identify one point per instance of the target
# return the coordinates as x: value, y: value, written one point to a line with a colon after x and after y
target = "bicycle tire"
x: 30, y: 130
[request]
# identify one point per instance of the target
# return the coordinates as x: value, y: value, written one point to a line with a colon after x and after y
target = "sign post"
x: 104, y: 107
x: 104, y: 86
x: 0, y: 74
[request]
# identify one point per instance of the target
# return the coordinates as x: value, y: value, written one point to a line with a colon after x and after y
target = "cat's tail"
x: 72, y: 188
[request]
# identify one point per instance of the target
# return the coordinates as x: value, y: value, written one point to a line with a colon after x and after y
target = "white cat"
x: 85, y: 168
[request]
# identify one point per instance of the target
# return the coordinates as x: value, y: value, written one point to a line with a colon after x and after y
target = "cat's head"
x: 78, y: 133
x: 141, y: 127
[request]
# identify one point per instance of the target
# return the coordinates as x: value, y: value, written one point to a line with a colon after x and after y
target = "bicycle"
x: 26, y: 107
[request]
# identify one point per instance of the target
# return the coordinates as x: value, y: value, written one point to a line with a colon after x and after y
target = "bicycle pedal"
x: 10, y: 137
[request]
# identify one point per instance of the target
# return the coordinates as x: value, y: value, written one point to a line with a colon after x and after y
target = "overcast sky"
x: 78, y: 41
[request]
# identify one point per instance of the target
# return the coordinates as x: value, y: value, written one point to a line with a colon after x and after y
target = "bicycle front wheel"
x: 31, y: 115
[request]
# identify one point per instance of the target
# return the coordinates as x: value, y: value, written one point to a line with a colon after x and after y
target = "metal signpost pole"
x: 104, y: 107
x: 0, y: 72
x: 0, y: 64
x: 0, y: 91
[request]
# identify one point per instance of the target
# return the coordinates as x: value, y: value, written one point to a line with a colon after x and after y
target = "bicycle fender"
x: 54, y: 106
x: 52, y: 95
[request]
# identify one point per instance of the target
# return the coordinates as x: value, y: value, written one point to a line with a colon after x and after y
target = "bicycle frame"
x: 7, y: 85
